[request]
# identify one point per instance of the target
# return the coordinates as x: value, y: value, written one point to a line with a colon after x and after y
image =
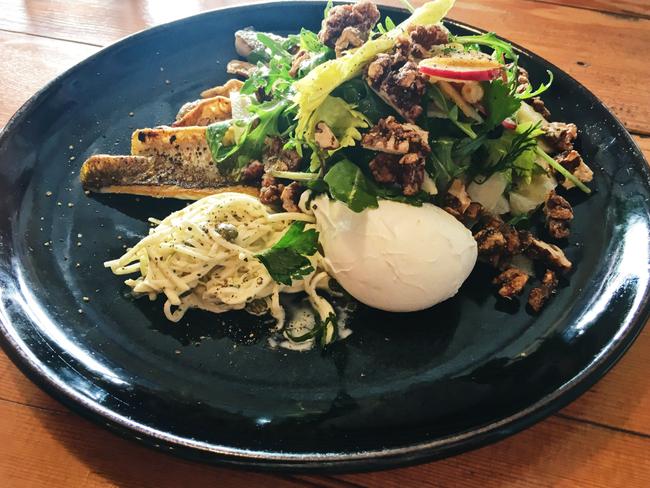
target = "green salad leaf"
x: 234, y: 143
x: 449, y: 109
x: 312, y: 90
x: 514, y: 152
x: 286, y: 260
x: 344, y: 122
x: 348, y: 184
x: 357, y: 92
x: 499, y: 102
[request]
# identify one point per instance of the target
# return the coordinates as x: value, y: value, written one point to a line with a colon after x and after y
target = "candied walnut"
x: 240, y: 68
x: 513, y: 244
x: 325, y: 138
x: 412, y: 177
x: 399, y: 83
x: 351, y: 37
x: 548, y: 253
x: 253, y: 172
x: 472, y: 214
x: 457, y: 190
x: 277, y: 158
x: 574, y: 164
x: 525, y: 240
x: 557, y: 207
x: 540, y: 295
x: 558, y: 214
x: 560, y: 136
x: 391, y: 137
x: 511, y: 282
x: 290, y: 197
x: 407, y: 171
x: 270, y: 190
x: 539, y: 107
x: 522, y: 79
x: 489, y: 241
x: 405, y: 147
x: 385, y: 168
x: 558, y: 229
x: 299, y: 58
x: 362, y: 16
x: 418, y: 40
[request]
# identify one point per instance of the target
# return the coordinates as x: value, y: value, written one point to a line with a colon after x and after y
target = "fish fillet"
x: 164, y: 162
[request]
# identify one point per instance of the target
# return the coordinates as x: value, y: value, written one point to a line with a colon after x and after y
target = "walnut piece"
x: 363, y: 16
x: 540, y: 295
x: 511, y: 282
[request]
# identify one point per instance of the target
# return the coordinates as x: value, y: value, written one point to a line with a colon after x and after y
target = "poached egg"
x: 397, y: 257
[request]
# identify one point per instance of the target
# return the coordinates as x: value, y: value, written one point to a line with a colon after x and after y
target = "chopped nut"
x: 574, y: 164
x: 560, y: 136
x: 418, y: 41
x: 558, y: 214
x: 550, y: 254
x: 457, y: 195
x: 385, y: 168
x: 539, y: 107
x: 253, y: 172
x: 240, y: 68
x: 290, y: 197
x: 391, y: 137
x: 511, y: 282
x: 362, y: 16
x: 399, y: 83
x: 325, y: 138
x: 540, y: 295
x: 351, y: 37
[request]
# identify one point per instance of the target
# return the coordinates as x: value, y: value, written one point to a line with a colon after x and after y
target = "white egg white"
x: 397, y: 257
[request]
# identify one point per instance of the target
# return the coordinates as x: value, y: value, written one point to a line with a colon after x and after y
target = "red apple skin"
x: 462, y: 74
x: 509, y: 124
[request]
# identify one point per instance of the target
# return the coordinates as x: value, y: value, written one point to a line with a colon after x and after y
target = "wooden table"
x: 602, y: 439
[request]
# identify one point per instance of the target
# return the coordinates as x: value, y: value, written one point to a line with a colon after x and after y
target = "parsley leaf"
x: 514, y: 151
x: 499, y: 103
x: 286, y: 260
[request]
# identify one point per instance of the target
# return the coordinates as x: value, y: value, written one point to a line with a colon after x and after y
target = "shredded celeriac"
x: 185, y: 258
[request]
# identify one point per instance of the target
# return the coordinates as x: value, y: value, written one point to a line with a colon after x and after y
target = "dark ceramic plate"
x: 402, y: 389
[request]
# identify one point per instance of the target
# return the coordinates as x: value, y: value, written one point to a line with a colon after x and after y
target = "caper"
x: 259, y: 306
x: 227, y: 231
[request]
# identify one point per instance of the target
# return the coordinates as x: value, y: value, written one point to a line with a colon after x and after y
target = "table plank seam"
x: 602, y: 425
x: 43, y: 36
x: 37, y: 407
x: 627, y: 15
x: 311, y: 481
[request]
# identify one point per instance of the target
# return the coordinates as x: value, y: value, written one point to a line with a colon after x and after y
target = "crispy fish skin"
x: 182, y: 150
x: 165, y: 162
x: 204, y: 112
x: 142, y: 175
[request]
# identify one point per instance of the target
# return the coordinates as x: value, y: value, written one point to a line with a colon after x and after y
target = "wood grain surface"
x: 601, y: 440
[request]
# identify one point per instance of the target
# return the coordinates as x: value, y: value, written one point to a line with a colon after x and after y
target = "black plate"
x: 401, y: 389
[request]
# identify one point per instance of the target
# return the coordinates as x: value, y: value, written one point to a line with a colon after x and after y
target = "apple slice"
x: 470, y: 67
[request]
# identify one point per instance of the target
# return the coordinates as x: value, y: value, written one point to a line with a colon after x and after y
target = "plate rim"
x: 38, y: 373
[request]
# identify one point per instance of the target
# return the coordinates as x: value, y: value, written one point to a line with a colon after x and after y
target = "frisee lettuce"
x: 342, y: 119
